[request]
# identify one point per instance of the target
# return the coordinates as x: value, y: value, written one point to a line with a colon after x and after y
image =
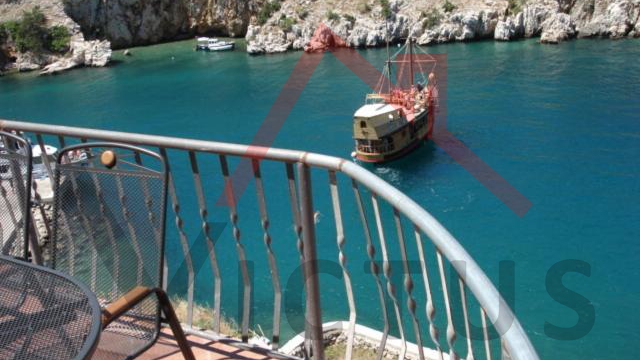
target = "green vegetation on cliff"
x: 515, y: 6
x: 386, y: 8
x: 59, y: 37
x: 286, y: 23
x: 449, y: 6
x: 267, y: 10
x: 333, y: 16
x: 430, y: 18
x: 30, y: 33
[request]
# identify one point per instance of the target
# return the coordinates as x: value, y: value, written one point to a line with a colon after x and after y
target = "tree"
x: 4, y: 34
x: 31, y: 33
x: 59, y: 39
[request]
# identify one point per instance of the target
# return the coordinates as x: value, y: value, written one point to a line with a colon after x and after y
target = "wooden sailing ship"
x: 394, y: 119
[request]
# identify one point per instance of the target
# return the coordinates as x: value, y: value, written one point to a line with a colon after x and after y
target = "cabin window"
x: 363, y: 124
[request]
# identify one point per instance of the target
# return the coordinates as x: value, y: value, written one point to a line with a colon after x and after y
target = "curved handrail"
x: 505, y: 322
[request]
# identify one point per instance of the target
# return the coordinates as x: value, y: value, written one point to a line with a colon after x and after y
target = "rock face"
x: 466, y: 26
x: 615, y: 20
x: 509, y: 29
x: 139, y: 22
x: 323, y: 39
x: 360, y: 23
x: 83, y: 53
x: 558, y: 27
x: 552, y: 20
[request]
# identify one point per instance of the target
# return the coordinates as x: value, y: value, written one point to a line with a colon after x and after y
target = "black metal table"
x: 45, y: 314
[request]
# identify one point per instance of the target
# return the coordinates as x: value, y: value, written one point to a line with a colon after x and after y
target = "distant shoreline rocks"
x: 275, y: 26
x: 550, y: 20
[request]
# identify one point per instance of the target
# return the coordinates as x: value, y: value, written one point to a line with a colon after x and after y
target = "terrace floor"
x: 167, y: 349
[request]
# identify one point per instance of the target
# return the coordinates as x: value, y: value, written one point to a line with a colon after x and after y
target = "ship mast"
x: 386, y: 28
x: 411, y: 60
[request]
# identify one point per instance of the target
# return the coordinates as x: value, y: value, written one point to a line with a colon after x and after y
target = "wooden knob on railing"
x: 108, y: 159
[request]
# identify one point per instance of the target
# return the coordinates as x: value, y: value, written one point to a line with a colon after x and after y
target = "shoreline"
x: 119, y: 58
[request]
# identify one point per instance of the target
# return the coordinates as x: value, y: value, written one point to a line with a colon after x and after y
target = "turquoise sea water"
x: 560, y: 123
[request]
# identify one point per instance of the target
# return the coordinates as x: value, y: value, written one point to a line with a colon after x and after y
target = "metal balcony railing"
x: 438, y: 308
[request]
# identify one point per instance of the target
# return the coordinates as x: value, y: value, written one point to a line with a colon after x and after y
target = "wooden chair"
x: 108, y: 231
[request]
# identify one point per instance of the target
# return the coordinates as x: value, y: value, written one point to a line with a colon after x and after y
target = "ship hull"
x: 423, y: 132
x: 382, y: 158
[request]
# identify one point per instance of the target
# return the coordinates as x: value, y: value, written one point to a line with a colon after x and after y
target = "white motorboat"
x: 40, y: 174
x: 222, y: 46
x: 202, y: 43
x: 213, y: 44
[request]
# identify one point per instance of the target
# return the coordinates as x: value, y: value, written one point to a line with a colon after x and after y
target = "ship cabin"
x: 372, y: 126
x: 381, y: 129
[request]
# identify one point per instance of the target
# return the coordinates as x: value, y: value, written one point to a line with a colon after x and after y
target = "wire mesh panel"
x: 108, y: 231
x: 15, y: 177
x: 44, y: 315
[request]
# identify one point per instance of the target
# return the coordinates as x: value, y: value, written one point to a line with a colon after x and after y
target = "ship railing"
x: 444, y: 290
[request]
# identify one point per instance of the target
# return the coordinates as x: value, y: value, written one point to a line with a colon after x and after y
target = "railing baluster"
x: 45, y: 159
x: 465, y: 313
x: 246, y: 281
x: 451, y: 331
x: 391, y: 289
x: 213, y: 259
x: 297, y: 227
x: 375, y: 271
x: 340, y: 239
x: 295, y: 209
x: 505, y: 355
x: 314, y: 309
x: 87, y: 228
x: 40, y: 206
x: 184, y: 241
x: 430, y: 308
x: 122, y: 197
x: 110, y: 235
x: 485, y: 333
x: 408, y: 283
x: 275, y: 275
x: 148, y: 201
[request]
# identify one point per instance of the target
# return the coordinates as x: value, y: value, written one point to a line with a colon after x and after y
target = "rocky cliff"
x: 81, y: 52
x: 361, y: 22
x: 280, y: 25
x: 139, y: 22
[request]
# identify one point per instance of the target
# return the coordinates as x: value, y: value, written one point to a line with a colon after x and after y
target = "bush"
x: 30, y: 33
x: 349, y: 18
x: 431, y: 18
x: 59, y: 36
x: 364, y: 8
x: 4, y: 34
x: 286, y: 23
x: 386, y: 8
x: 589, y: 7
x: 302, y: 13
x: 9, y: 28
x: 332, y: 16
x: 515, y: 6
x: 449, y: 7
x: 267, y: 10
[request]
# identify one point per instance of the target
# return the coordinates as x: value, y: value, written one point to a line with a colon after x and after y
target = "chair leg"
x: 175, y: 325
x: 135, y: 296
